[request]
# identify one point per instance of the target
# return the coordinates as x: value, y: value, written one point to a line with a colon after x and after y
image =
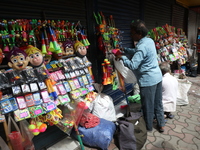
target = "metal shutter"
x: 72, y: 11
x: 192, y: 27
x: 123, y: 13
x: 157, y: 13
x: 179, y: 17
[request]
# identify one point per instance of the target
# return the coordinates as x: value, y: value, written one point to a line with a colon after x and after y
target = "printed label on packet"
x: 21, y: 114
x: 6, y: 106
x: 49, y: 106
x: 72, y: 85
x: 85, y: 81
x: 66, y: 85
x: 36, y: 111
x: 45, y: 96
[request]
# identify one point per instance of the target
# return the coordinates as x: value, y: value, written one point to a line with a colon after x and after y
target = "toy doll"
x: 68, y: 48
x: 35, y: 56
x: 18, y: 59
x: 80, y: 49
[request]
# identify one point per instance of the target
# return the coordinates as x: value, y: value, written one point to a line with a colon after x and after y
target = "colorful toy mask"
x: 80, y: 49
x: 47, y: 58
x: 18, y: 59
x: 35, y: 55
x: 68, y: 48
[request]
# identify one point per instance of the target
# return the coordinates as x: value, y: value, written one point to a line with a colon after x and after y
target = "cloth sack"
x: 98, y: 137
x: 103, y: 106
x: 183, y: 88
x: 125, y: 138
x: 131, y: 131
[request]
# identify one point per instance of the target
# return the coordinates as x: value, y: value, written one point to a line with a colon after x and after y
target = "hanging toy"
x: 36, y: 127
x: 80, y: 49
x: 17, y: 59
x: 68, y: 48
x: 35, y: 56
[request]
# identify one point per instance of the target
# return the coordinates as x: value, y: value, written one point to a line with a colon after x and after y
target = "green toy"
x: 134, y: 99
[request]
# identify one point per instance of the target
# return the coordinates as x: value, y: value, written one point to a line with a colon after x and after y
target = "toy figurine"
x: 68, y: 48
x: 1, y: 56
x: 18, y: 59
x: 47, y: 59
x: 35, y: 56
x: 80, y: 49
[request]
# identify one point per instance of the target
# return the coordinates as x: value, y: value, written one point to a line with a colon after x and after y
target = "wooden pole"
x: 6, y: 132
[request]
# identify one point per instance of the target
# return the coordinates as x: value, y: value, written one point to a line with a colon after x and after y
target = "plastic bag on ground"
x: 103, y: 106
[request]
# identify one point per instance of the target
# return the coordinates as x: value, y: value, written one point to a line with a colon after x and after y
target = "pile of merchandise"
x: 171, y: 44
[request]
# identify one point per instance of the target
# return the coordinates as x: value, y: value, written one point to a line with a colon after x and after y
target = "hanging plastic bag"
x: 27, y: 136
x: 14, y: 136
x: 3, y: 145
x: 103, y: 106
x: 128, y: 74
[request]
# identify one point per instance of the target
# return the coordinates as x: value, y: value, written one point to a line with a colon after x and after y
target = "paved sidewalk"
x: 181, y: 133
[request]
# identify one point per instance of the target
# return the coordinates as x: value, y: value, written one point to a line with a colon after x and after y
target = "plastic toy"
x: 80, y: 49
x: 18, y: 59
x: 35, y: 56
x: 36, y: 127
x: 68, y: 48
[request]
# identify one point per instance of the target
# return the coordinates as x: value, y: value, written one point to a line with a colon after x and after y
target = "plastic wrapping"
x: 27, y: 136
x: 14, y: 136
x: 3, y: 145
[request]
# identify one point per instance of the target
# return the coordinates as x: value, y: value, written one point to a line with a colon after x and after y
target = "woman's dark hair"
x: 139, y: 27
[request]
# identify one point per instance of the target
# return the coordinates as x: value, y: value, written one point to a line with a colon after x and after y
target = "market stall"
x: 47, y: 79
